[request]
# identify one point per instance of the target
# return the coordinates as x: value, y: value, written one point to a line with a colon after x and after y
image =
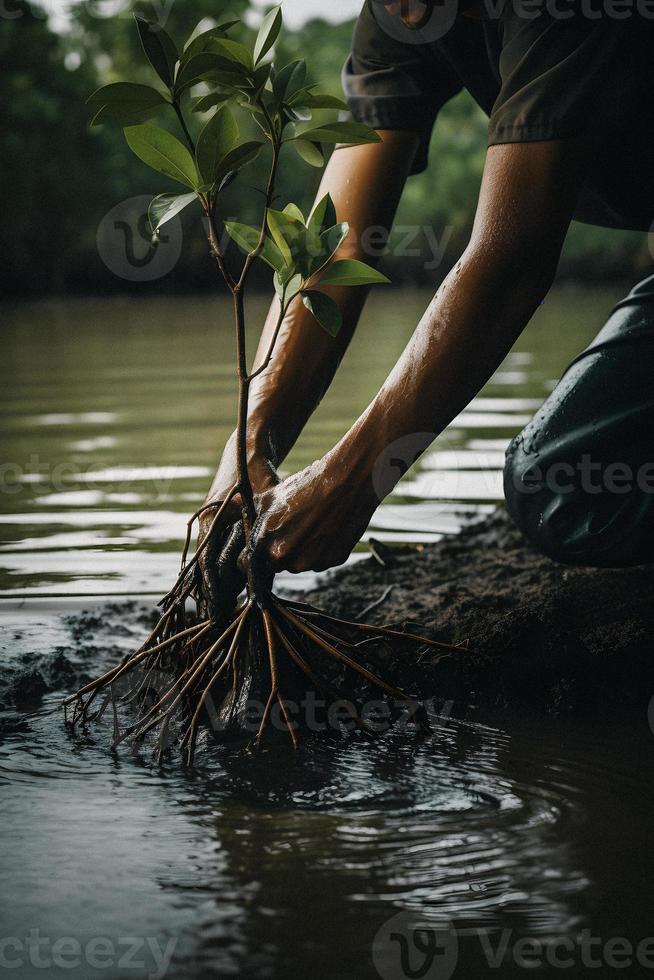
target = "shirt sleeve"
x: 558, y: 75
x: 390, y: 84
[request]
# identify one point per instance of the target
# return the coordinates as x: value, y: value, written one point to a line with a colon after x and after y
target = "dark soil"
x: 539, y: 635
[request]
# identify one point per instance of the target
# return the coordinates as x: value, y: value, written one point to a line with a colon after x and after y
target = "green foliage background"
x: 59, y: 177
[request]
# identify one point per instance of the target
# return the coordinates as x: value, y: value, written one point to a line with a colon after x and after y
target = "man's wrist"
x: 264, y: 442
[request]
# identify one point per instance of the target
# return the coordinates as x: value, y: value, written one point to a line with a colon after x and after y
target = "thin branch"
x: 376, y: 604
x: 270, y: 191
x: 268, y: 358
x: 180, y: 116
x: 198, y: 513
x: 215, y: 247
x: 202, y: 547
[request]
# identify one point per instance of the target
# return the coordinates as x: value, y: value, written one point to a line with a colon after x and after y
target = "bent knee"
x: 574, y: 516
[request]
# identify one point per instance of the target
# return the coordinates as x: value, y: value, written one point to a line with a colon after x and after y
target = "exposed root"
x: 186, y: 676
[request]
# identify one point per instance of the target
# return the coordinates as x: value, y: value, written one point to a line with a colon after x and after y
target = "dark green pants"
x: 579, y: 479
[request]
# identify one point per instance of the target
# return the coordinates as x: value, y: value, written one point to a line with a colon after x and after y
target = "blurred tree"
x: 50, y: 165
x: 60, y: 177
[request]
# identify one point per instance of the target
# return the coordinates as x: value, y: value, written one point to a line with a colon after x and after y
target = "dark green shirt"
x: 540, y: 69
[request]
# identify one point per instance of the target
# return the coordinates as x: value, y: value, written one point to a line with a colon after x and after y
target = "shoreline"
x: 538, y: 638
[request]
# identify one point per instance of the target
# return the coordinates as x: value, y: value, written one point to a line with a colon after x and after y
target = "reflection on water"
x: 276, y: 865
x: 115, y: 411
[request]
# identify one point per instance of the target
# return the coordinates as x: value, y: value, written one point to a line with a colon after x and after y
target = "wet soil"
x: 538, y: 635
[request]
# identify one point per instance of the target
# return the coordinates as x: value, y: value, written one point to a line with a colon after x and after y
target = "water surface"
x: 114, y: 413
x: 274, y: 865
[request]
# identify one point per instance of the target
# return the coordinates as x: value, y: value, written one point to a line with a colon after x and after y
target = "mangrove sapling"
x: 185, y: 671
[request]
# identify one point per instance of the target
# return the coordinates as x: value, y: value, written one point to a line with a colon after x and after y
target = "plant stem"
x: 237, y: 287
x: 245, y: 484
x: 182, y: 122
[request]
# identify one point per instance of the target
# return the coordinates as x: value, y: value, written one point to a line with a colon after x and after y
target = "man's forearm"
x: 365, y: 184
x: 481, y: 308
x: 464, y: 335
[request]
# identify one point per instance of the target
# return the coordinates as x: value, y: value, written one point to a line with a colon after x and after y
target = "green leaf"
x: 247, y: 238
x: 310, y: 100
x: 288, y: 233
x: 311, y: 153
x: 323, y: 216
x: 159, y: 49
x: 268, y: 34
x: 276, y: 223
x: 351, y: 272
x: 293, y: 211
x: 240, y: 156
x: 233, y: 52
x: 333, y: 238
x: 292, y: 287
x: 125, y: 103
x: 164, y: 207
x: 208, y: 68
x: 205, y: 102
x: 217, y: 138
x: 261, y: 76
x: 163, y: 152
x: 298, y: 115
x: 199, y: 43
x: 194, y: 70
x: 325, y: 310
x: 345, y: 132
x: 289, y: 80
x: 329, y: 242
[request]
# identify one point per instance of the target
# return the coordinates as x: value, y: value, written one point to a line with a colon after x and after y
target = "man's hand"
x: 314, y: 519
x: 222, y: 580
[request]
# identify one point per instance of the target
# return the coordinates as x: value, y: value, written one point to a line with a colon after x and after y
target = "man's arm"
x: 527, y: 198
x: 365, y: 183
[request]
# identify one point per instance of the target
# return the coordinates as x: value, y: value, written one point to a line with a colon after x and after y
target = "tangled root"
x: 185, y: 674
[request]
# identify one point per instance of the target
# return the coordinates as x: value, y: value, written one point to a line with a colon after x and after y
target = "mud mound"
x: 539, y: 634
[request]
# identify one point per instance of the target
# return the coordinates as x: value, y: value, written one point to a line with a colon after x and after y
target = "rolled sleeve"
x: 392, y: 85
x: 558, y: 76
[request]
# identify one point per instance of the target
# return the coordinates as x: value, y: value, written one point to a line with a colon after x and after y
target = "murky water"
x: 491, y: 831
